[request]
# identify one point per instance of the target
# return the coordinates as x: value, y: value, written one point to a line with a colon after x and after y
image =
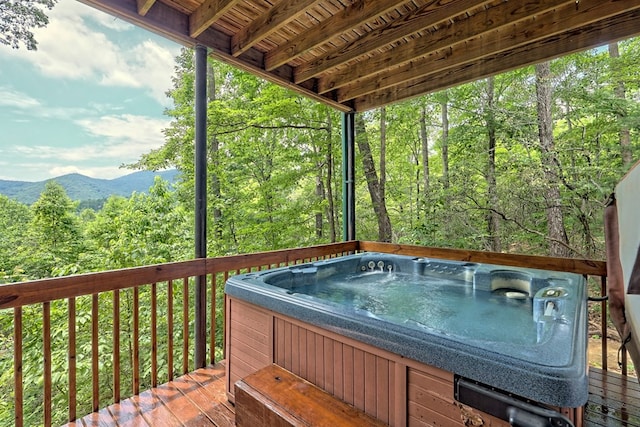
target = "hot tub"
x: 445, y: 339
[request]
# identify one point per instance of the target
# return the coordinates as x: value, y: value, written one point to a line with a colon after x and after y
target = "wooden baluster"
x: 185, y: 325
x: 212, y: 331
x: 136, y: 341
x: 154, y: 335
x: 603, y: 323
x: 17, y: 366
x: 71, y: 352
x: 116, y: 346
x: 224, y: 320
x: 46, y: 344
x: 170, y: 330
x: 95, y: 366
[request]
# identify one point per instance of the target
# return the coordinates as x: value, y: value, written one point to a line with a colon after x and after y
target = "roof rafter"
x: 144, y: 6
x: 417, y: 20
x: 208, y: 13
x: 576, y: 39
x: 505, y: 14
x: 355, y: 55
x: 355, y: 15
x: 266, y: 24
x: 529, y: 30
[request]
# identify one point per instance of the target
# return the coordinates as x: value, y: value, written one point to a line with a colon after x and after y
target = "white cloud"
x: 39, y: 171
x: 117, y: 139
x: 14, y: 99
x: 32, y: 107
x: 106, y: 172
x: 122, y: 138
x: 126, y: 135
x: 73, y: 47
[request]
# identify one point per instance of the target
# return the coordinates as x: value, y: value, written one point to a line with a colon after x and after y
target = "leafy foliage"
x: 19, y: 17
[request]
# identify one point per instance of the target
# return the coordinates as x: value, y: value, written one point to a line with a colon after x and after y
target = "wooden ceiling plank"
x: 524, y: 32
x: 595, y: 34
x: 268, y: 23
x: 144, y: 6
x: 427, y: 15
x: 208, y: 13
x: 505, y: 14
x: 353, y: 16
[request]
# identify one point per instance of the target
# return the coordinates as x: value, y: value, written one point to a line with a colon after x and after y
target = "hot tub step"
x: 275, y: 397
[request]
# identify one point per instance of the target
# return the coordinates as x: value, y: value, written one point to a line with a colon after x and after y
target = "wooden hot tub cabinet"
x: 387, y: 386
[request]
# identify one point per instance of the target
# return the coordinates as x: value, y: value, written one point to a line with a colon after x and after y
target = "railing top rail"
x: 38, y: 291
x: 235, y: 262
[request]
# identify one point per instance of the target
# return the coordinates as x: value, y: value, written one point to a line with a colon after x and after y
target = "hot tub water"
x: 448, y: 306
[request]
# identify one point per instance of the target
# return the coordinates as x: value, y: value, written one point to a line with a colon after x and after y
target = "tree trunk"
x: 214, y: 146
x: 379, y: 206
x: 493, y: 220
x: 425, y: 148
x: 620, y: 93
x: 556, y: 233
x: 320, y: 195
x: 383, y: 153
x: 445, y: 142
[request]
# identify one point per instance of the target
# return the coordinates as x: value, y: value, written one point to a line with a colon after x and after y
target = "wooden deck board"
x: 614, y: 400
x: 199, y: 399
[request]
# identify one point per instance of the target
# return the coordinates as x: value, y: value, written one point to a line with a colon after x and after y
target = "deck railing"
x: 89, y: 358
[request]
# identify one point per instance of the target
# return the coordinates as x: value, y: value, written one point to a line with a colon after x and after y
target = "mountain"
x: 83, y: 188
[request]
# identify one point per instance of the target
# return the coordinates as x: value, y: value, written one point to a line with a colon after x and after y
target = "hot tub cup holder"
x: 549, y: 303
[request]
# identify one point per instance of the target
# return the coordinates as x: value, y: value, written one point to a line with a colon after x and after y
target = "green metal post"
x: 348, y: 177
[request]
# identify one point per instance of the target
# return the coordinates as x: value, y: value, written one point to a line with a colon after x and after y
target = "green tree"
x: 19, y: 17
x: 14, y: 223
x: 144, y: 229
x: 53, y: 240
x: 267, y: 151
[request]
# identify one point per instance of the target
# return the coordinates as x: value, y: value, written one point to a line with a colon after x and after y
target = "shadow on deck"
x: 199, y: 399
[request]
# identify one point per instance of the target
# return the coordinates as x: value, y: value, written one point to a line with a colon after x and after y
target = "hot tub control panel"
x: 518, y: 411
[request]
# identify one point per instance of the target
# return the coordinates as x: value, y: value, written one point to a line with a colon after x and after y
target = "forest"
x: 520, y: 162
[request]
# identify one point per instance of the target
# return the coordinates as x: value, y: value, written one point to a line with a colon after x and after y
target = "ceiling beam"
x: 523, y: 32
x: 419, y: 19
x: 144, y: 6
x: 476, y: 26
x: 208, y: 13
x: 353, y: 16
x: 269, y: 22
x: 595, y: 34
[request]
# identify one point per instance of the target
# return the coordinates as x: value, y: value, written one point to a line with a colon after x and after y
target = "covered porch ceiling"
x: 362, y: 54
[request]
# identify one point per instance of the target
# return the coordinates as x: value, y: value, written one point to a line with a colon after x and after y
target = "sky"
x: 90, y: 99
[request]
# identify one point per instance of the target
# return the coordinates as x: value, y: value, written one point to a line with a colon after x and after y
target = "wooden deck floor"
x: 199, y: 399
x: 195, y: 399
x: 614, y: 400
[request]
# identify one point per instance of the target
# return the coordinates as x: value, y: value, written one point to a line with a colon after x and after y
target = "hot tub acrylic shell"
x: 551, y: 371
